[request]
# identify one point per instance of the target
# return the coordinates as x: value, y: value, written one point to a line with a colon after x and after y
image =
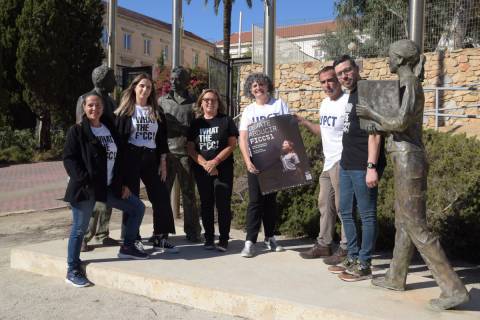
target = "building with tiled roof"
x: 304, y: 36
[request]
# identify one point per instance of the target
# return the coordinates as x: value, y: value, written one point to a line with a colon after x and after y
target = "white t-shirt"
x: 254, y: 113
x: 103, y: 134
x: 144, y: 129
x: 332, y: 118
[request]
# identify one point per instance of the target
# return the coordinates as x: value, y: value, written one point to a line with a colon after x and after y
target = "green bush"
x: 19, y: 146
x: 453, y: 203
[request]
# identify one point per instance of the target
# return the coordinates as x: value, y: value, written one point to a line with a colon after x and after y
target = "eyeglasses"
x: 344, y: 71
x: 207, y: 100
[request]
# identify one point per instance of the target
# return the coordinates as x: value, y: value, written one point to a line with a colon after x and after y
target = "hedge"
x: 453, y: 203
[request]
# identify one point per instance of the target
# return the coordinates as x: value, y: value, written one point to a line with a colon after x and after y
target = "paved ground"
x: 32, y: 187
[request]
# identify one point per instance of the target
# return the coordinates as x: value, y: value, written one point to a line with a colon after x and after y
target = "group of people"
x: 110, y: 150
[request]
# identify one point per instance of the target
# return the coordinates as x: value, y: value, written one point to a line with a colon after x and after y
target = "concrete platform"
x: 268, y: 286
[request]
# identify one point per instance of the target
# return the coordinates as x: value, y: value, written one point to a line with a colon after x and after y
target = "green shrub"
x: 453, y: 203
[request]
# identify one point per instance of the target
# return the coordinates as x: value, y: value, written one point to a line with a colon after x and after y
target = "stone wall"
x: 298, y: 84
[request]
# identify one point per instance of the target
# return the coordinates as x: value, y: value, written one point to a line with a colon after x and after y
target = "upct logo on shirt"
x: 107, y: 142
x: 208, y: 139
x: 143, y: 128
x: 260, y: 118
x: 327, y: 121
x: 346, y: 123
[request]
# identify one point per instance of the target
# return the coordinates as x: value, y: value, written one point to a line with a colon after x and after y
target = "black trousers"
x: 143, y: 165
x: 215, y: 190
x: 261, y: 208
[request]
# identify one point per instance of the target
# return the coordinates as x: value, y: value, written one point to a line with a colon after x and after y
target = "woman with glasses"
x: 211, y: 140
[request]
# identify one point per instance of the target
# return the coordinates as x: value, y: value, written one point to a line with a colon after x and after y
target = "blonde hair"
x: 128, y: 100
x: 198, y: 105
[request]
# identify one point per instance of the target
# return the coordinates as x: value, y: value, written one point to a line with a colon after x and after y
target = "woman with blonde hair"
x: 211, y: 140
x: 142, y: 127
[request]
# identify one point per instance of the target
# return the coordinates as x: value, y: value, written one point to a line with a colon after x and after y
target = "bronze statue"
x: 410, y: 171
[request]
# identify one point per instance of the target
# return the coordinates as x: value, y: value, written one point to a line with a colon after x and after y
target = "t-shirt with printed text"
x: 144, y: 129
x: 105, y: 137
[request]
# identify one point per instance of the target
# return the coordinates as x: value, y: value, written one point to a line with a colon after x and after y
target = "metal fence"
x: 449, y: 24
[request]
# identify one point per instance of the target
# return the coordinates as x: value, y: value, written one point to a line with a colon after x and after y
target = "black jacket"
x: 85, y: 161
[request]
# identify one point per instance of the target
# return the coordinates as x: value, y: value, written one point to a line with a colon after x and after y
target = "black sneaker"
x: 132, y: 253
x: 209, y: 245
x: 222, y: 245
x: 358, y: 272
x: 162, y: 245
x: 77, y: 278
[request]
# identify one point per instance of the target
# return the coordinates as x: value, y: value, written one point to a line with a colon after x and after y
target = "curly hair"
x: 198, y: 104
x: 99, y: 74
x: 259, y: 78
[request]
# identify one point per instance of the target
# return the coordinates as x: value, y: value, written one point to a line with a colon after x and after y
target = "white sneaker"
x: 139, y: 246
x: 248, y: 250
x: 272, y: 245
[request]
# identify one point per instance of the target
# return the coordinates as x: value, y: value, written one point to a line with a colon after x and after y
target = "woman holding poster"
x: 211, y: 140
x: 142, y: 127
x: 261, y: 208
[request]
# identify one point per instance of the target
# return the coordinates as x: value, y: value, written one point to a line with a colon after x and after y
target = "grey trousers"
x: 98, y: 226
x: 180, y: 165
x: 410, y: 172
x: 329, y: 207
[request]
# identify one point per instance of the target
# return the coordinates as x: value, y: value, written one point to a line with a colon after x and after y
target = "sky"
x: 202, y: 21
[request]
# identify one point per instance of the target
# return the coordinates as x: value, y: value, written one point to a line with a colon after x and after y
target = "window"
x: 146, y: 46
x: 104, y: 36
x: 127, y: 41
x: 165, y: 54
x: 195, y: 59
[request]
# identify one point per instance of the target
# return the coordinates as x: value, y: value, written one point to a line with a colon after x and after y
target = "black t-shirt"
x: 355, y: 140
x: 211, y: 135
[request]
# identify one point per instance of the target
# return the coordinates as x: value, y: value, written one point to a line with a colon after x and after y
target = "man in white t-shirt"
x: 332, y: 116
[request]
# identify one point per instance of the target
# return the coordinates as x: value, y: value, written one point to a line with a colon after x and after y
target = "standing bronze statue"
x: 104, y: 82
x: 178, y: 106
x: 410, y: 171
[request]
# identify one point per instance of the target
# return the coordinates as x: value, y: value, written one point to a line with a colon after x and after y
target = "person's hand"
x: 371, y: 178
x: 126, y: 192
x: 162, y: 170
x: 364, y: 112
x: 210, y: 165
x: 251, y: 168
x: 371, y: 128
x: 214, y: 172
x: 301, y: 120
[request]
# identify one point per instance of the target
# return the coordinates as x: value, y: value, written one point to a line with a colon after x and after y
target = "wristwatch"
x: 371, y: 165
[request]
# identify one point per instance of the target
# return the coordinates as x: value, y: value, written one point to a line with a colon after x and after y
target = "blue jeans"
x: 353, y: 187
x: 82, y: 211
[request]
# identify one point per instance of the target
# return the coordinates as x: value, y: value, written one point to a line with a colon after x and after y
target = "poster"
x: 278, y: 153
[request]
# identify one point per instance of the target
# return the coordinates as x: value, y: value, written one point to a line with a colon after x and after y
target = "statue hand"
x: 364, y: 112
x: 372, y: 128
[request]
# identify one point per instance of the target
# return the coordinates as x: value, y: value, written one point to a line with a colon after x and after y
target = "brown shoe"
x: 336, y: 258
x: 317, y: 251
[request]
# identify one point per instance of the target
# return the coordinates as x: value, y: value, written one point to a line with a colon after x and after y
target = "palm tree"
x: 227, y: 22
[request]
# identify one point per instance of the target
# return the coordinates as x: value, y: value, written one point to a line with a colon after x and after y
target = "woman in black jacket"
x: 143, y: 129
x: 93, y: 160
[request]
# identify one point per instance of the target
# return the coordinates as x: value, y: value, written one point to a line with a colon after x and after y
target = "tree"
x: 372, y: 25
x: 59, y: 45
x: 14, y: 110
x: 227, y: 22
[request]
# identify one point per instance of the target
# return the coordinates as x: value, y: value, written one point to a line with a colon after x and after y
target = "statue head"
x: 103, y: 78
x: 406, y: 53
x: 179, y: 79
